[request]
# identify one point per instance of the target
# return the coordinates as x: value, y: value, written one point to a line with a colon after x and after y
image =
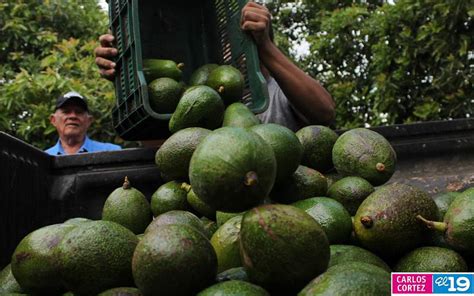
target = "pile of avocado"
x: 251, y: 209
x: 201, y: 101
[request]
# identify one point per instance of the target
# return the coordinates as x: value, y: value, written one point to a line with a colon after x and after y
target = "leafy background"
x: 384, y: 63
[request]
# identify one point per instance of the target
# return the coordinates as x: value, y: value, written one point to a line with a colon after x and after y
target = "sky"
x: 103, y: 4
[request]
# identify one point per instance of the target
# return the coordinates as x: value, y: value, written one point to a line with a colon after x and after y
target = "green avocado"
x: 174, y: 260
x: 232, y: 169
x: 225, y: 242
x: 198, y: 204
x: 33, y: 263
x: 128, y: 207
x: 234, y: 288
x: 201, y: 74
x: 317, y: 142
x: 364, y: 153
x: 168, y: 197
x: 350, y: 192
x: 352, y: 278
x: 386, y: 222
x: 443, y: 200
x: 174, y: 155
x: 8, y: 283
x: 239, y: 115
x: 123, y: 291
x: 458, y: 224
x: 200, y: 106
x: 286, y: 147
x: 431, y: 259
x: 178, y: 217
x: 304, y: 183
x: 96, y: 256
x: 282, y: 248
x: 164, y: 94
x: 228, y: 82
x: 349, y: 253
x: 158, y: 68
x: 331, y: 215
x: 76, y: 221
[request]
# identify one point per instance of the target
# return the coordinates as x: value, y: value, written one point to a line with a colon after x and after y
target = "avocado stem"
x: 126, y: 183
x: 185, y: 186
x: 220, y: 89
x: 380, y: 167
x: 251, y: 178
x: 366, y: 221
x: 180, y: 66
x: 438, y: 226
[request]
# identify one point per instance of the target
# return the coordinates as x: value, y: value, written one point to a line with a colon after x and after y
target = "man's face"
x: 71, y: 120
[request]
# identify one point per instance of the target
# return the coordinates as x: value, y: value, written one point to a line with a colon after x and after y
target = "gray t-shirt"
x: 280, y: 110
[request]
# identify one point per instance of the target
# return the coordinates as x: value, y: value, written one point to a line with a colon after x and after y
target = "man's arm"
x: 304, y: 92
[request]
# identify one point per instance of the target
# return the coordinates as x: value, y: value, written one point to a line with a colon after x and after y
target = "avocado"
x: 174, y: 155
x: 8, y: 283
x: 458, y: 224
x: 282, y: 248
x: 201, y: 74
x: 225, y: 242
x: 33, y: 262
x: 173, y: 260
x: 168, y: 197
x: 179, y: 218
x: 228, y: 82
x: 350, y: 192
x: 198, y: 204
x: 443, y: 200
x: 349, y: 253
x: 331, y: 215
x: 386, y: 222
x: 286, y: 147
x: 157, y: 68
x: 235, y: 273
x: 304, y: 183
x: 364, y: 153
x: 164, y: 94
x: 122, y: 291
x: 96, y: 256
x: 222, y: 217
x: 317, y: 142
x: 431, y: 259
x: 76, y: 221
x: 239, y: 115
x: 128, y: 207
x: 200, y: 106
x: 352, y: 278
x: 232, y: 169
x: 234, y: 288
x: 209, y: 225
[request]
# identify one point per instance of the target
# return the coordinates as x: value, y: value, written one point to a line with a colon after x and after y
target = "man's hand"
x: 256, y: 19
x: 104, y: 55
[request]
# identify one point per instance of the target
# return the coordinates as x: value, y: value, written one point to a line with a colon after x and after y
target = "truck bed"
x: 37, y: 189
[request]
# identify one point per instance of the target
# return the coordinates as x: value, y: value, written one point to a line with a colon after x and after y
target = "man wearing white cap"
x: 72, y: 120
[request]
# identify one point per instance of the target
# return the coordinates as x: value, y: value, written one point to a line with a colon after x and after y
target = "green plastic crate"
x: 192, y: 32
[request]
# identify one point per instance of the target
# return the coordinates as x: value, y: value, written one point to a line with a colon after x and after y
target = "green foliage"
x: 46, y: 50
x: 383, y: 63
x: 387, y: 63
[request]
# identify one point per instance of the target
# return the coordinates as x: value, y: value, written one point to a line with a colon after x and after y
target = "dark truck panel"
x: 37, y: 189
